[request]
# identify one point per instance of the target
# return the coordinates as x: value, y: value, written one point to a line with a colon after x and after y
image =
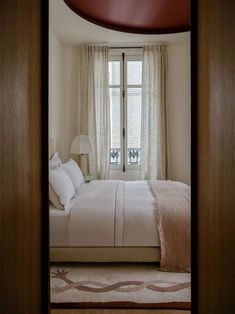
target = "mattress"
x: 59, y: 223
x: 59, y: 220
x: 106, y: 213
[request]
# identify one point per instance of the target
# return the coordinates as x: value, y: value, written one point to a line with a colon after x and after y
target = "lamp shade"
x: 81, y: 145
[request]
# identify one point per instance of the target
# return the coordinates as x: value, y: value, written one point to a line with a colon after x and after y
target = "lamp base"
x: 84, y: 164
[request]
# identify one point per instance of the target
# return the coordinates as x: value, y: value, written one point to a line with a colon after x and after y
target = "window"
x: 125, y: 88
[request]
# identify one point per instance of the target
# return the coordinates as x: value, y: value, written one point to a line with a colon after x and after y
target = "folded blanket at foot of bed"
x: 172, y: 208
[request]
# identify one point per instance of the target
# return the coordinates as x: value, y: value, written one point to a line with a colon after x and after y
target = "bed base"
x: 105, y: 254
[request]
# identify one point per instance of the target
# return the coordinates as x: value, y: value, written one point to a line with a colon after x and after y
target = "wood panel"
x: 119, y: 311
x: 20, y: 180
x: 216, y: 156
x: 147, y: 17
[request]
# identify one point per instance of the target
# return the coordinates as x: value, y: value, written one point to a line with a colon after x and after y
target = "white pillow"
x: 62, y: 185
x: 55, y: 161
x: 74, y: 172
x: 54, y: 199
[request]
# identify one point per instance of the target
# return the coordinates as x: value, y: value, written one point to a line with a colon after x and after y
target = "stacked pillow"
x: 64, y: 181
x: 74, y: 173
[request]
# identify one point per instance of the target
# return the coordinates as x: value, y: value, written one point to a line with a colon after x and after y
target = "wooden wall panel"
x: 216, y: 156
x: 21, y: 195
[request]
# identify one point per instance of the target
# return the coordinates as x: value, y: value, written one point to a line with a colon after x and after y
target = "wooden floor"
x: 118, y: 311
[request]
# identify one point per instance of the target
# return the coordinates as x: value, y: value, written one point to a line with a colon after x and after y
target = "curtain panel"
x: 95, y: 106
x: 154, y: 122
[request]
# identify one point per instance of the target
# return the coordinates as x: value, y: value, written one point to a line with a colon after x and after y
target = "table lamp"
x: 81, y: 145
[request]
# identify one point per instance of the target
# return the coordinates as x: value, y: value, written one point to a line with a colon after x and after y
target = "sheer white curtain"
x: 94, y: 105
x: 154, y: 133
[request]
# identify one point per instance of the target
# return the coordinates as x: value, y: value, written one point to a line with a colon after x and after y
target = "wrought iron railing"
x: 115, y: 156
x: 133, y: 156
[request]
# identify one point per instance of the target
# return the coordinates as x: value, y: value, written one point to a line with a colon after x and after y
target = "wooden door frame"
x: 24, y: 222
x: 193, y: 65
x: 44, y: 153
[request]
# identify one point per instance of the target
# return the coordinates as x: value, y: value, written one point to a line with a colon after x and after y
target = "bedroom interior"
x: 24, y: 159
x: 102, y: 222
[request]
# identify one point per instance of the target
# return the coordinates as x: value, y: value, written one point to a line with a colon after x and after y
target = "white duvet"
x: 108, y: 213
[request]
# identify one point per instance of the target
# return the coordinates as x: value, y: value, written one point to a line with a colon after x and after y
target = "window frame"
x: 130, y: 55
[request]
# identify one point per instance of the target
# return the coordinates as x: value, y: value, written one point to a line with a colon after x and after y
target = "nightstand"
x: 88, y: 177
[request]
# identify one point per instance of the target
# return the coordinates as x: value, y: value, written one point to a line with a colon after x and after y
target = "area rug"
x: 118, y: 285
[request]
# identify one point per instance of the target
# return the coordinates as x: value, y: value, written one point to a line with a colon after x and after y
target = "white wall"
x: 63, y: 82
x: 63, y: 106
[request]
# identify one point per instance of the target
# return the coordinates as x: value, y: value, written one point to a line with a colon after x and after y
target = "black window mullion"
x: 123, y: 116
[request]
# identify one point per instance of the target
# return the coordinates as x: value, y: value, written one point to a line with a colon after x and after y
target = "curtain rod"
x: 126, y: 47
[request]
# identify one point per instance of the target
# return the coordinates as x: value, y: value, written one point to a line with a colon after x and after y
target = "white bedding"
x: 107, y: 214
x: 59, y: 220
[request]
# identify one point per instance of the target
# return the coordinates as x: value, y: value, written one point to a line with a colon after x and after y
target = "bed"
x: 118, y: 221
x: 106, y: 222
x: 109, y: 220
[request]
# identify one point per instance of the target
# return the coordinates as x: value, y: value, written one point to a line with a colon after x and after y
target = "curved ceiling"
x: 136, y: 16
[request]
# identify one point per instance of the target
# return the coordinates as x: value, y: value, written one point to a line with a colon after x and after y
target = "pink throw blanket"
x: 172, y: 207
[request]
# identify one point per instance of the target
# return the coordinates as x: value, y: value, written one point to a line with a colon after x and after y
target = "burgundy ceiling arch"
x: 136, y: 16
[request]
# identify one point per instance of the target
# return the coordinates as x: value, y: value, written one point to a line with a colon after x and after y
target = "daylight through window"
x: 125, y: 89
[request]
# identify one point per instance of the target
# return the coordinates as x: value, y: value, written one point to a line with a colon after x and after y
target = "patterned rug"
x: 118, y: 285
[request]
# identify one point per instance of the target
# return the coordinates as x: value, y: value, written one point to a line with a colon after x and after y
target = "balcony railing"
x: 133, y: 156
x: 115, y: 156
